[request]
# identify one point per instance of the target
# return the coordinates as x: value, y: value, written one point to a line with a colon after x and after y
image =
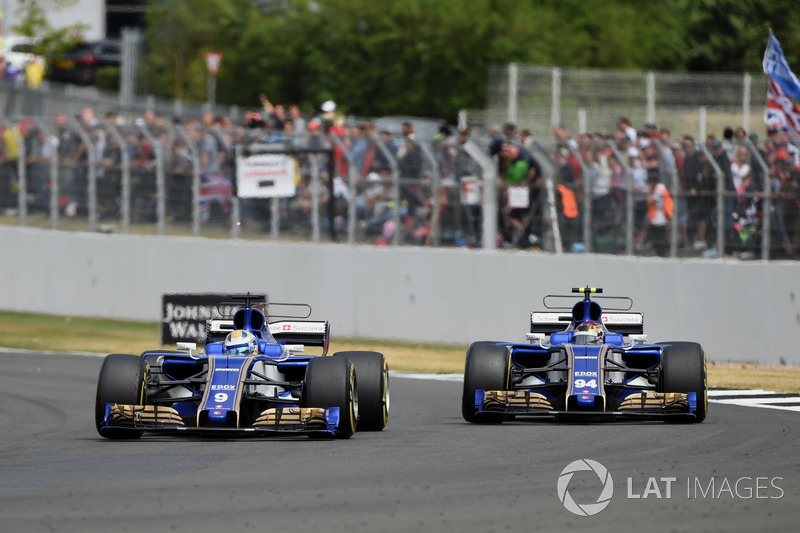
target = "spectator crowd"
x: 425, y: 190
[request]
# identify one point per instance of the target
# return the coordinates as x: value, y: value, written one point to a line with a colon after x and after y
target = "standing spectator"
x: 526, y: 139
x: 296, y: 117
x: 640, y: 191
x: 510, y: 132
x: 626, y: 130
x: 8, y: 168
x: 720, y: 155
x: 110, y: 178
x: 699, y: 187
x: 359, y: 147
x: 409, y: 162
x: 70, y: 150
x: 657, y: 216
x: 34, y: 74
x: 786, y: 187
x: 38, y: 153
x: 516, y: 196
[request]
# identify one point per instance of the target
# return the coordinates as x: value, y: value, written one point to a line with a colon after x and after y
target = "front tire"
x: 683, y: 369
x: 487, y: 368
x: 331, y: 382
x: 121, y: 380
x: 373, y: 388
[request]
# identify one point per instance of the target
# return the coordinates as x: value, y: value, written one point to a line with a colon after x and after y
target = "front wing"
x: 273, y: 421
x: 639, y: 405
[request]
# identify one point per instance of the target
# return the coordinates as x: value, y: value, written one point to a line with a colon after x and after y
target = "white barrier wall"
x: 746, y: 311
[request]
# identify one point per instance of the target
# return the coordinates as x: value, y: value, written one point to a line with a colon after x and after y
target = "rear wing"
x: 624, y: 323
x: 305, y: 332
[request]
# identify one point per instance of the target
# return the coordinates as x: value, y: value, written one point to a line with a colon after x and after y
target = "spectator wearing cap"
x: 510, y: 132
x: 651, y: 130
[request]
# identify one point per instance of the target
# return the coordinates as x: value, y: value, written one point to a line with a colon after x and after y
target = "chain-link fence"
x: 587, y: 100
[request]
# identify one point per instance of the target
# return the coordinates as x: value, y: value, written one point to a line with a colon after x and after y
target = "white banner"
x: 265, y: 176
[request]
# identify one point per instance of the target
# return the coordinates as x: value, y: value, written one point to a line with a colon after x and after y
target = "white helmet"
x: 241, y: 341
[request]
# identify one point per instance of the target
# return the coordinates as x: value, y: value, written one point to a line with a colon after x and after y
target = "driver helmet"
x: 589, y: 332
x: 241, y: 341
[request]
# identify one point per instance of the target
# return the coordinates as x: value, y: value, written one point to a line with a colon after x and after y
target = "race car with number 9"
x: 252, y: 377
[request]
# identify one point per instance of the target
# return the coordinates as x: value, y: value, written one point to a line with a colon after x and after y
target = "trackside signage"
x: 184, y: 316
x: 265, y: 176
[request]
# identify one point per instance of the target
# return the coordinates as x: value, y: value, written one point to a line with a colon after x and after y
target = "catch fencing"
x: 590, y: 100
x: 178, y: 177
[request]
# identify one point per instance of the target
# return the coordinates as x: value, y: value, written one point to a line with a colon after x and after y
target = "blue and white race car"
x: 592, y: 363
x: 252, y: 378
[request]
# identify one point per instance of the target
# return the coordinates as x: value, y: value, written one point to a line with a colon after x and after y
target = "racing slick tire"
x: 121, y: 380
x: 373, y: 388
x: 331, y: 382
x: 683, y: 369
x: 487, y: 368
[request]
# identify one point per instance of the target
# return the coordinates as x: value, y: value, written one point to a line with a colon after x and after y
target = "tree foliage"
x: 431, y: 57
x: 32, y: 22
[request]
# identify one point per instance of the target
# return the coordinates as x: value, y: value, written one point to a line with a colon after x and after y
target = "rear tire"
x: 331, y: 382
x: 373, y: 388
x: 121, y: 380
x: 683, y: 369
x: 487, y: 368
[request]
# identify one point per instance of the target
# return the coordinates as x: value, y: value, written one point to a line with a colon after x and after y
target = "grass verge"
x: 77, y: 334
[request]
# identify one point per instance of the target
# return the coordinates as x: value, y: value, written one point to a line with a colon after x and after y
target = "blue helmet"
x: 241, y: 341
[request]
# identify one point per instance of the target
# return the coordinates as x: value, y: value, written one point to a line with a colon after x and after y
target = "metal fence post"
x: 720, y: 200
x: 666, y: 157
x: 161, y: 189
x: 125, y: 184
x: 91, y: 171
x: 513, y: 80
x: 434, y: 234
x: 489, y: 168
x: 549, y: 170
x: 196, y: 180
x: 629, y: 216
x: 766, y: 207
x: 54, y: 188
x: 395, y: 187
x: 588, y: 237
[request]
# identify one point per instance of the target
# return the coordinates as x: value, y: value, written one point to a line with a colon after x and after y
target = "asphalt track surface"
x: 427, y: 471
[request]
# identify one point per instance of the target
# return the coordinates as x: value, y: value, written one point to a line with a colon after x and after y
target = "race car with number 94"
x: 588, y: 362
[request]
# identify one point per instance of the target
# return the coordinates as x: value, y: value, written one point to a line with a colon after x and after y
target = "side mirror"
x: 290, y: 348
x: 187, y: 346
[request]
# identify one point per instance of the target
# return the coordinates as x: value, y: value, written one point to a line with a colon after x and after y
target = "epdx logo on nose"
x: 587, y: 509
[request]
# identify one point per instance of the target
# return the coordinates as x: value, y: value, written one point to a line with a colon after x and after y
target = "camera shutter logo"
x: 588, y: 509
